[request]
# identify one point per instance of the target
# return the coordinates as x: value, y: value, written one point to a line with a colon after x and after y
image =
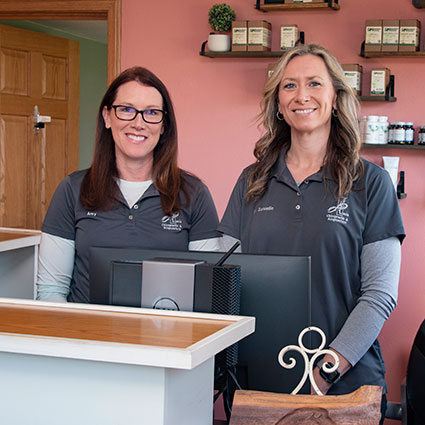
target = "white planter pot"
x: 219, y: 42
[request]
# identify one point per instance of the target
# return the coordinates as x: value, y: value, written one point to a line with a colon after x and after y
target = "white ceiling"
x: 91, y: 30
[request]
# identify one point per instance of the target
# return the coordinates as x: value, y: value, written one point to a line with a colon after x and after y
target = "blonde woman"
x: 310, y: 193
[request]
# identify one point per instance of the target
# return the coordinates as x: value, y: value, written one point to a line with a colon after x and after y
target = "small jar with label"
x: 399, y: 133
x: 372, y: 127
x: 409, y: 136
x: 421, y: 135
x: 391, y: 128
x: 382, y: 130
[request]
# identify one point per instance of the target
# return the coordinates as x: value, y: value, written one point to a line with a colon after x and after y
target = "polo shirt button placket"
x: 297, y: 207
x: 136, y: 207
x: 130, y: 217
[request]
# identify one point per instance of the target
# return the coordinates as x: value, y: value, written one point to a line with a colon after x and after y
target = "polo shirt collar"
x: 151, y: 191
x: 282, y: 173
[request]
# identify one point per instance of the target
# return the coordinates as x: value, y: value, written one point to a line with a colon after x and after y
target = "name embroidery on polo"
x: 91, y: 214
x: 263, y: 209
x: 338, y: 213
x: 172, y: 223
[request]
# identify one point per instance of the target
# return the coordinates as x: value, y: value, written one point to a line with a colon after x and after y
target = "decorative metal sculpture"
x: 309, y: 363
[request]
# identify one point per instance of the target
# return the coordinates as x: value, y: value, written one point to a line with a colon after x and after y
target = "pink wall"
x: 217, y: 100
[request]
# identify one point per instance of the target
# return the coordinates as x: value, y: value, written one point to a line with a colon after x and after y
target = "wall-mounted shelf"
x: 241, y: 54
x: 326, y: 5
x: 392, y: 146
x: 246, y: 54
x: 394, y: 55
x: 369, y: 55
x: 378, y: 99
x: 389, y: 94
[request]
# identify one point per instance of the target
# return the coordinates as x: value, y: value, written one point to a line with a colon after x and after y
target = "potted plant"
x: 220, y: 17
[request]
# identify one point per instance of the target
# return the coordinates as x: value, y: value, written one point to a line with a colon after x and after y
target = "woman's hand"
x: 344, y: 367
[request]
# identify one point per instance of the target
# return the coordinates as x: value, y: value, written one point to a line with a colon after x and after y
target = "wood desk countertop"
x: 117, y: 334
x: 18, y: 238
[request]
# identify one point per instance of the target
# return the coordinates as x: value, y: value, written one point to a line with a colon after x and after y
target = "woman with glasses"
x: 133, y: 195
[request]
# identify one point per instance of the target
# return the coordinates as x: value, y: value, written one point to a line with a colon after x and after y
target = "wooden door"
x: 42, y: 70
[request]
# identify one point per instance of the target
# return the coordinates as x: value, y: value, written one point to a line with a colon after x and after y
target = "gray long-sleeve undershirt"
x: 380, y: 270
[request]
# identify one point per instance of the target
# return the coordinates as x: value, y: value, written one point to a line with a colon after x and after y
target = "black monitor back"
x: 275, y: 289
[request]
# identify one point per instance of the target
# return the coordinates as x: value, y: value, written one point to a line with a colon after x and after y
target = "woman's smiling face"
x: 135, y: 140
x: 307, y: 95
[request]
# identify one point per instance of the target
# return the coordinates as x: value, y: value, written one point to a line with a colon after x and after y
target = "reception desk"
x: 101, y: 365
x: 18, y: 262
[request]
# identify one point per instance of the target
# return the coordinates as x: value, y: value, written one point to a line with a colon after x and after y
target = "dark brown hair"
x: 99, y: 189
x: 342, y: 157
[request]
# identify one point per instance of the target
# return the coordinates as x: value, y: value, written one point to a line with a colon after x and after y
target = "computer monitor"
x: 275, y: 289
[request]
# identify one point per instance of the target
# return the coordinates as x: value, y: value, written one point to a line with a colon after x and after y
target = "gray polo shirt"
x: 307, y: 220
x: 143, y: 226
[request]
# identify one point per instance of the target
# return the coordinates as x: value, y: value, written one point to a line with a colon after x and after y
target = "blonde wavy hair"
x: 342, y: 157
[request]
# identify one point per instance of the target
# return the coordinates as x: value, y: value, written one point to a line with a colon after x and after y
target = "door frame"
x: 79, y: 10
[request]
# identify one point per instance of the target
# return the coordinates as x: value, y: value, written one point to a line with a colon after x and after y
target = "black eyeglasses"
x: 127, y: 113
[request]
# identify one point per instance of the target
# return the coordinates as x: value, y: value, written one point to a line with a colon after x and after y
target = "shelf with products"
x: 241, y: 54
x: 369, y: 55
x: 388, y: 97
x: 275, y: 7
x: 377, y: 99
x: 246, y: 54
x: 392, y: 146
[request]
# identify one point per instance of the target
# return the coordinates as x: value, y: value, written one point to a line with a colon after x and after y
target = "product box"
x: 390, y: 35
x: 259, y: 36
x: 410, y: 30
x: 239, y: 36
x: 373, y: 36
x: 379, y: 80
x: 353, y: 74
x: 288, y: 36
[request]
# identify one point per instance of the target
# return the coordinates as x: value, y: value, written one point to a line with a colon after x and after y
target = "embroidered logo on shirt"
x: 172, y: 223
x: 338, y: 213
x: 91, y: 214
x: 261, y: 209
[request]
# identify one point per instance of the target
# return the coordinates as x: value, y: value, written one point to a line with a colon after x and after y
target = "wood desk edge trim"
x: 222, y: 339
x: 118, y: 309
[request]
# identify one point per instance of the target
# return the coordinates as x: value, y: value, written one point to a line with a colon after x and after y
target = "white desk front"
x: 74, y: 364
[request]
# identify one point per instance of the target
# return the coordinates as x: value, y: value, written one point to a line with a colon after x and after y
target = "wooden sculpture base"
x: 361, y: 407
